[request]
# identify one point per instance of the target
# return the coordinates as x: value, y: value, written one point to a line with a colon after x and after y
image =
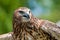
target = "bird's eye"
x: 29, y: 11
x: 21, y: 12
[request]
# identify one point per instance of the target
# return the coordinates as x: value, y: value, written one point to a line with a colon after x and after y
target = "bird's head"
x: 23, y: 14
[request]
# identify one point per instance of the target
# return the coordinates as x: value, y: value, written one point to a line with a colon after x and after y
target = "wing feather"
x: 7, y: 36
x: 51, y: 28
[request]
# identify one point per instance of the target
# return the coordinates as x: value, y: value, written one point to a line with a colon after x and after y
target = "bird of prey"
x: 28, y: 27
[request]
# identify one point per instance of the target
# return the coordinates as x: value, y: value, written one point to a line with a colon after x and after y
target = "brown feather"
x: 29, y: 30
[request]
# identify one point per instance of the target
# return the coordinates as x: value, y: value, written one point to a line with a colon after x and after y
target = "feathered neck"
x: 20, y: 27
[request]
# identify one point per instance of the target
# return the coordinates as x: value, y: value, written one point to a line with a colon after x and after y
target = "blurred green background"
x: 46, y: 9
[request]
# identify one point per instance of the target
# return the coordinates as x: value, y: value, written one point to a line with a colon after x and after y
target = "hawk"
x: 28, y: 27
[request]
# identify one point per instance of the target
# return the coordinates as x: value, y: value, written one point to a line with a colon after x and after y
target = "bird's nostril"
x: 26, y: 15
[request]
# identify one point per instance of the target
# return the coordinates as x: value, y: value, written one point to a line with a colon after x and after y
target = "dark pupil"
x: 21, y: 12
x: 29, y: 11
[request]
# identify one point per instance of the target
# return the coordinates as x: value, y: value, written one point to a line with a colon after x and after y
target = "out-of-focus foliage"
x: 54, y: 14
x: 7, y: 8
x: 46, y: 9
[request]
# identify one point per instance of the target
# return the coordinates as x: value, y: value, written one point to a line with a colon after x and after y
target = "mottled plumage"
x: 28, y: 27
